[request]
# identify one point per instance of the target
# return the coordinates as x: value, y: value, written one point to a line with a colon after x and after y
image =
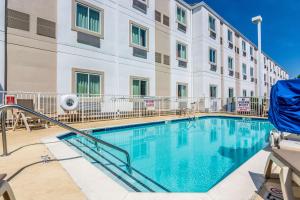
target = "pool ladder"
x: 3, y: 113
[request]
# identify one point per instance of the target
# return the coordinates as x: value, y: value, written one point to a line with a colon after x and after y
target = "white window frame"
x: 185, y: 19
x: 230, y: 88
x: 213, y: 63
x: 213, y: 30
x: 134, y: 78
x: 244, y: 93
x: 244, y: 72
x: 131, y: 24
x: 244, y: 46
x: 100, y: 74
x: 177, y: 89
x: 90, y: 6
x: 212, y: 85
x: 251, y: 70
x: 186, y: 48
x: 230, y: 41
x: 232, y: 67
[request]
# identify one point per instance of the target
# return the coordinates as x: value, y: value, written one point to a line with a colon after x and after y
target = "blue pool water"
x: 187, y: 156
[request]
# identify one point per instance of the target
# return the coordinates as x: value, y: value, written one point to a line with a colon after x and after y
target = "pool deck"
x: 69, y: 176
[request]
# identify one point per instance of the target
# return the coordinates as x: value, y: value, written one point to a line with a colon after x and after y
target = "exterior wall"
x: 114, y: 57
x: 229, y: 81
x: 55, y: 60
x: 2, y: 21
x: 179, y: 74
x: 246, y: 84
x: 32, y: 57
x: 203, y: 76
x: 162, y: 46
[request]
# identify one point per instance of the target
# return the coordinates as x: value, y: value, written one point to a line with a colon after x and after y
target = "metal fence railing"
x: 110, y: 107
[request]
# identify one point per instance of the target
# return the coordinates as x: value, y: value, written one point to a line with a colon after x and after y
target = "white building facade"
x: 152, y: 48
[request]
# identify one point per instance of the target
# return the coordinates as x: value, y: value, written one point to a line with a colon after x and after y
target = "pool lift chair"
x: 284, y: 114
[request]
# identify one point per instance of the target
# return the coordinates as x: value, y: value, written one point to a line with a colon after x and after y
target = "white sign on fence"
x: 243, y: 104
x: 150, y: 104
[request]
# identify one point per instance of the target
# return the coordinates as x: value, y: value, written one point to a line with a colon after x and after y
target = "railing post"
x: 115, y: 110
x: 4, y: 139
x: 159, y: 101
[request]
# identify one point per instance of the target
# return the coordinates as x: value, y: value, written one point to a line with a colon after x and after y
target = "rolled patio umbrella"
x: 284, y: 109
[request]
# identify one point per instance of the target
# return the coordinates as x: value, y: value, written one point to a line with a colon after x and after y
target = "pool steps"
x: 110, y: 162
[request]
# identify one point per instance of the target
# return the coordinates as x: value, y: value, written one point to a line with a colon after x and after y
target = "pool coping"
x: 116, y: 127
x: 88, y: 177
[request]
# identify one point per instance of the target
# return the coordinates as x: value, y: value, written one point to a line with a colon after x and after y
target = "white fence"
x: 94, y: 108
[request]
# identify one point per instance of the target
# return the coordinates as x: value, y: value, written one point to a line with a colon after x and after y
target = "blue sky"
x: 280, y: 27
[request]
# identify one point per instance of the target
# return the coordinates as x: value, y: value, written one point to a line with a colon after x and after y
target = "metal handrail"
x: 4, y: 108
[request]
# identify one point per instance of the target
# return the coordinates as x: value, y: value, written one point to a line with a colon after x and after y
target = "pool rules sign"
x: 243, y: 104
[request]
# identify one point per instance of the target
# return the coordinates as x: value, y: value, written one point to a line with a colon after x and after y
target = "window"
x: 230, y: 92
x: 139, y: 36
x: 88, y: 19
x: 181, y: 51
x: 244, y: 46
x: 213, y: 91
x: 230, y: 64
x: 229, y: 35
x: 251, y: 51
x: 244, y: 93
x: 181, y: 15
x: 252, y: 93
x: 181, y: 90
x: 244, y: 69
x: 212, y: 56
x: 88, y: 83
x: 251, y: 71
x: 212, y: 23
x: 139, y: 87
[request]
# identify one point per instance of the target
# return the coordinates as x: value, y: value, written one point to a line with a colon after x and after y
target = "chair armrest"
x: 2, y: 176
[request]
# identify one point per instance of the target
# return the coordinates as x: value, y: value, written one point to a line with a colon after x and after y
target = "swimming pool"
x: 176, y: 156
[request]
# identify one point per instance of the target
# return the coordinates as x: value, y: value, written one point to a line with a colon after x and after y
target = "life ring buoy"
x: 69, y: 102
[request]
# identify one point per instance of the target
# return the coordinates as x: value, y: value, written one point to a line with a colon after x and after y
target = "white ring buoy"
x: 69, y: 102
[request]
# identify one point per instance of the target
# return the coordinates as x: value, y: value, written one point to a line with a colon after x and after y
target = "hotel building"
x: 129, y: 47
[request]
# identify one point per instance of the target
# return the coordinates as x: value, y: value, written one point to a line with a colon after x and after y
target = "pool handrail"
x: 4, y: 108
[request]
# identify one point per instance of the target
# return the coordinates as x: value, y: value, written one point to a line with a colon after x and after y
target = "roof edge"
x: 205, y: 5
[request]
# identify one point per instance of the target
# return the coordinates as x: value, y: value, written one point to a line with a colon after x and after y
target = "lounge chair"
x: 289, y: 164
x: 28, y: 119
x: 5, y: 189
x: 285, y: 140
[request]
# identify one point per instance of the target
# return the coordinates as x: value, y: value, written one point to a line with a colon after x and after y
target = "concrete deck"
x: 58, y: 179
